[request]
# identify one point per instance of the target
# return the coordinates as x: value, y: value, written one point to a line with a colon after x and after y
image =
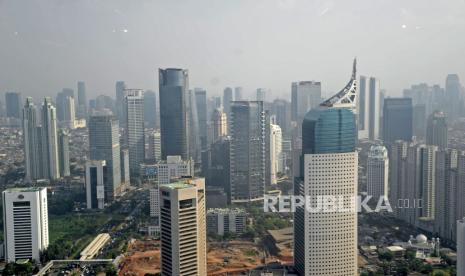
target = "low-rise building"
x: 223, y: 221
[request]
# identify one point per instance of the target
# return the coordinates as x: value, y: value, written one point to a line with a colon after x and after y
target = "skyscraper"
x: 154, y: 141
x: 104, y: 145
x: 174, y: 112
x: 32, y: 157
x: 369, y: 108
x: 63, y: 152
x: 13, y: 103
x: 69, y: 112
x: 275, y: 152
x: 135, y: 130
x: 124, y: 164
x: 261, y: 94
x: 378, y: 173
x: 326, y: 241
x: 227, y: 99
x: 95, y: 183
x: 436, y: 131
x: 305, y: 95
x: 50, y: 161
x: 454, y: 96
x: 120, y: 86
x: 219, y: 124
x: 397, y: 119
x: 183, y: 228
x: 150, y: 111
x: 82, y: 100
x: 247, y: 151
x: 201, y: 106
x: 25, y: 223
x: 282, y: 111
x: 238, y: 94
x: 62, y: 110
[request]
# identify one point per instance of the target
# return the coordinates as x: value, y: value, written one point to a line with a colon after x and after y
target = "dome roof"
x: 421, y: 238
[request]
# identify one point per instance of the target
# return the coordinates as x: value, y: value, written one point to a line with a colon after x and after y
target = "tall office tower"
x: 105, y: 103
x: 120, y: 86
x: 82, y: 100
x: 195, y: 147
x: 32, y: 157
x: 174, y: 112
x: 282, y: 110
x: 227, y: 99
x: 267, y: 149
x: 69, y: 113
x: 261, y: 94
x: 436, y: 132
x: 13, y: 103
x: 135, y: 131
x: 397, y: 119
x: 238, y: 96
x: 275, y: 152
x: 50, y: 161
x: 219, y: 170
x: 104, y: 145
x: 419, y: 121
x: 427, y: 180
x: 445, y: 193
x: 150, y: 111
x: 201, y: 106
x: 378, y: 173
x: 326, y: 241
x: 95, y: 183
x: 61, y: 104
x: 247, y: 151
x: 154, y: 151
x: 454, y: 96
x: 183, y: 228
x: 369, y: 108
x: 461, y: 247
x: 219, y: 124
x: 63, y: 152
x: 124, y: 164
x: 398, y: 155
x: 25, y: 223
x: 2, y: 109
x: 305, y: 95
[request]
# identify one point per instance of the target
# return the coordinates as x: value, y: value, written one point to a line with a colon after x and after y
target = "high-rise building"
x: 154, y: 150
x: 247, y: 151
x: 150, y: 110
x: 378, y: 172
x: 195, y: 147
x: 104, y: 145
x: 95, y: 183
x: 261, y: 94
x: 63, y: 152
x: 227, y: 99
x: 369, y: 108
x: 276, y: 161
x: 305, y: 95
x: 436, y: 131
x: 135, y: 130
x: 201, y: 106
x: 50, y: 161
x: 238, y: 94
x: 219, y: 170
x: 62, y: 109
x: 419, y: 121
x: 325, y: 242
x: 32, y: 152
x: 397, y: 119
x: 69, y: 113
x: 183, y: 228
x: 124, y: 163
x: 219, y: 125
x: 454, y: 96
x: 25, y: 223
x: 174, y: 112
x: 120, y: 86
x: 281, y: 109
x: 13, y: 103
x: 461, y: 247
x: 427, y: 180
x: 82, y: 100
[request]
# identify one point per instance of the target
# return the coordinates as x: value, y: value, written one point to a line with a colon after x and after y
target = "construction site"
x: 223, y: 258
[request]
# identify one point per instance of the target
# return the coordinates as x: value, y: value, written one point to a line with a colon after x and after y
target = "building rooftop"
x: 178, y: 185
x: 23, y: 189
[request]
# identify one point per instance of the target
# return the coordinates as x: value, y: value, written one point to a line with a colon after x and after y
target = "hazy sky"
x: 46, y: 45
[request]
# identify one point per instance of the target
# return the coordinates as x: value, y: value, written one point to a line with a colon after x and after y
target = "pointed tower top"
x: 347, y: 97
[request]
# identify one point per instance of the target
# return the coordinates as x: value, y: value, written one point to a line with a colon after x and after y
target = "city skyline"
x: 402, y: 29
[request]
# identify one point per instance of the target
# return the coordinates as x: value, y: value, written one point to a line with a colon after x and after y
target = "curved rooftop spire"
x: 347, y: 97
